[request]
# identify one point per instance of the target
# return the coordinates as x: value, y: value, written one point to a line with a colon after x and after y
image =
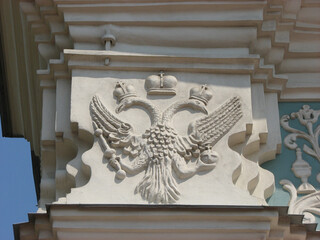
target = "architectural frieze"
x: 165, y: 102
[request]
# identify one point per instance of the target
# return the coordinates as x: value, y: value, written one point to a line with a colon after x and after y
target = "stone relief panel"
x: 163, y: 147
x: 161, y: 150
x: 305, y: 198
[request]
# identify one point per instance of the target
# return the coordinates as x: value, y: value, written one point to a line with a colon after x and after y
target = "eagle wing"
x: 117, y: 133
x: 208, y: 130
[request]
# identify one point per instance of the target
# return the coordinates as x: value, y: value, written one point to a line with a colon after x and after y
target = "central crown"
x: 202, y: 93
x: 161, y: 84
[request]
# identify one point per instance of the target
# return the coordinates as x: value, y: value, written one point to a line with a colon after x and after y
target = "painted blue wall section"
x: 281, y: 166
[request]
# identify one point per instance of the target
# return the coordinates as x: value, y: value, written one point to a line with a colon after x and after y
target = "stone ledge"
x: 156, y: 222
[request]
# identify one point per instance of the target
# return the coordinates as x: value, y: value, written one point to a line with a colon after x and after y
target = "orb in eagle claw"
x: 121, y: 174
x: 209, y: 157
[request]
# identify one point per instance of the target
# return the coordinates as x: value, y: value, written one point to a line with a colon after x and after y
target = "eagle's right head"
x: 198, y: 105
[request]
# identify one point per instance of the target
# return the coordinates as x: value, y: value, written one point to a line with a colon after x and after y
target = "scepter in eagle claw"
x: 161, y: 150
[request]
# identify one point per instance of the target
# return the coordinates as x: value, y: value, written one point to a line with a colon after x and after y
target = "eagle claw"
x: 208, y: 160
x: 205, y: 166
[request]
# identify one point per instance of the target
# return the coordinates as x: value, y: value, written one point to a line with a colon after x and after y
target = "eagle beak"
x: 125, y: 104
x: 205, y: 110
x: 119, y: 108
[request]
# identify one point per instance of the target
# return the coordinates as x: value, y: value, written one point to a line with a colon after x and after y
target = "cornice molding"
x: 172, y: 222
x: 277, y: 25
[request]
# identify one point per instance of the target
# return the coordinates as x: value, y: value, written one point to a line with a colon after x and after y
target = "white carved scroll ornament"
x: 306, y: 205
x: 310, y: 203
x: 307, y: 117
x: 160, y: 149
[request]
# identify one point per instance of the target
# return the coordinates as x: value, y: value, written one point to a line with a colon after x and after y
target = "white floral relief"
x: 308, y: 118
x: 309, y: 204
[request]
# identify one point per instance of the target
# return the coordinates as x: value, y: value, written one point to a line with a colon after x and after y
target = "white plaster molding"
x: 308, y: 118
x: 274, y: 21
x: 94, y: 222
x: 307, y: 205
x: 302, y: 170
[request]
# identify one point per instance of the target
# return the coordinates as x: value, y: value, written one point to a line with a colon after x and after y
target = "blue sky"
x: 18, y: 196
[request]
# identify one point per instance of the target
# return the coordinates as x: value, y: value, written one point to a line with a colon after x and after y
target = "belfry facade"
x: 166, y: 119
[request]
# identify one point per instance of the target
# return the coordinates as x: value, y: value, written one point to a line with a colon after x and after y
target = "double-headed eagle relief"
x: 161, y: 152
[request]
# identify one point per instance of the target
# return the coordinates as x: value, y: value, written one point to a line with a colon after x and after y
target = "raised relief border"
x: 160, y: 151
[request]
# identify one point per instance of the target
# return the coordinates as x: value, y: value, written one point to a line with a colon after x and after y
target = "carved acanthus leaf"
x: 307, y: 117
x: 310, y: 203
x: 306, y: 205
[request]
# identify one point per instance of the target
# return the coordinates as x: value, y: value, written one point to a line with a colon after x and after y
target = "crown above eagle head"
x: 161, y: 84
x: 123, y: 91
x: 202, y: 93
